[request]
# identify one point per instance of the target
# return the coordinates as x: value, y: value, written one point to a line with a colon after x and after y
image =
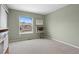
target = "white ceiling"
x: 37, y: 8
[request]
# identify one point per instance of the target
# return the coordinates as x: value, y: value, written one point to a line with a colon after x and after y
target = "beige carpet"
x: 41, y: 46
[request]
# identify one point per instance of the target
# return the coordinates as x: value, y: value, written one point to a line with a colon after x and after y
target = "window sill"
x: 25, y: 32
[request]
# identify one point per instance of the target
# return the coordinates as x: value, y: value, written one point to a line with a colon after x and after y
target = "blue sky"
x: 25, y: 19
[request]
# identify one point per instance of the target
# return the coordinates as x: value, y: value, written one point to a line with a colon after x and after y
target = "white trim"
x: 67, y: 43
x: 26, y: 32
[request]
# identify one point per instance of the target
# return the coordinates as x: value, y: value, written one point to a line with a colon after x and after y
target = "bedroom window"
x: 25, y: 25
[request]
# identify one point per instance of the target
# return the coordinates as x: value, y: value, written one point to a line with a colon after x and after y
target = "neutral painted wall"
x: 63, y: 24
x: 13, y: 25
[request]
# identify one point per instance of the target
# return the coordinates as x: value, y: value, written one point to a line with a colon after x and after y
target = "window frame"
x: 28, y: 31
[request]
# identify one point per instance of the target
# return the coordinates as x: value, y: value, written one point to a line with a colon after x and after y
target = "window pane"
x: 25, y: 28
x: 25, y: 24
x: 26, y: 20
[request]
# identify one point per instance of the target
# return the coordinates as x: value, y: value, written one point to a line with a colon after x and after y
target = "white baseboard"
x: 67, y: 43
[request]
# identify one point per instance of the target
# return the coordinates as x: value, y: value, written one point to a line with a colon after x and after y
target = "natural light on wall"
x: 25, y: 25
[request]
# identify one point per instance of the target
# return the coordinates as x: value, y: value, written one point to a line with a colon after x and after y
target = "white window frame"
x: 25, y: 32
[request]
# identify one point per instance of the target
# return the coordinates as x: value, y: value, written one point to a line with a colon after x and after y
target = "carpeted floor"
x: 41, y: 46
